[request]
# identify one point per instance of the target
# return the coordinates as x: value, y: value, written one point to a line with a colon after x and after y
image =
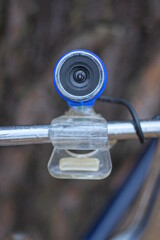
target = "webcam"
x: 80, y: 77
x: 80, y: 136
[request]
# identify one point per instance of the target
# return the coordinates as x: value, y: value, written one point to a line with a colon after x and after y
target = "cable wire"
x: 132, y: 111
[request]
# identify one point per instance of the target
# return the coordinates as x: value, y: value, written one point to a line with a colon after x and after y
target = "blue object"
x: 124, y: 197
x: 83, y: 103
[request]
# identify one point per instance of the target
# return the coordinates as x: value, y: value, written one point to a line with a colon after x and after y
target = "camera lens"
x: 79, y: 76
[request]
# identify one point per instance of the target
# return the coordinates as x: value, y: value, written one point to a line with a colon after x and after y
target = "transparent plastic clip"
x: 81, y: 149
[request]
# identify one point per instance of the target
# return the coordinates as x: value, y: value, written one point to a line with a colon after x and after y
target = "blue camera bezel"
x: 83, y: 103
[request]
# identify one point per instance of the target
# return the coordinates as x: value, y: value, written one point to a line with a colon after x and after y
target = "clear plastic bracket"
x: 81, y: 149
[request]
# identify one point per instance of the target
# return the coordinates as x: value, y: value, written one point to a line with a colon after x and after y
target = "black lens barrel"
x: 79, y: 75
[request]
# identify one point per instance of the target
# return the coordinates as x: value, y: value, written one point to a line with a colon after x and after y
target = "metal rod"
x: 22, y: 135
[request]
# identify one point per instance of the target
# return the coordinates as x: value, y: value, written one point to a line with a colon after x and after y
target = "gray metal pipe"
x: 22, y: 135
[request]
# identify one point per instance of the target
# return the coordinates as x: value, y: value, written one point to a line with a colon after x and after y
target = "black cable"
x: 132, y: 111
x: 157, y: 117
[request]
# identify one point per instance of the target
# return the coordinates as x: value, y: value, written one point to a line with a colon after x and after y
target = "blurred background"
x: 33, y: 35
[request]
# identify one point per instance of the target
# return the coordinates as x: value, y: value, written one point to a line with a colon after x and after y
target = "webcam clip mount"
x: 81, y: 149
